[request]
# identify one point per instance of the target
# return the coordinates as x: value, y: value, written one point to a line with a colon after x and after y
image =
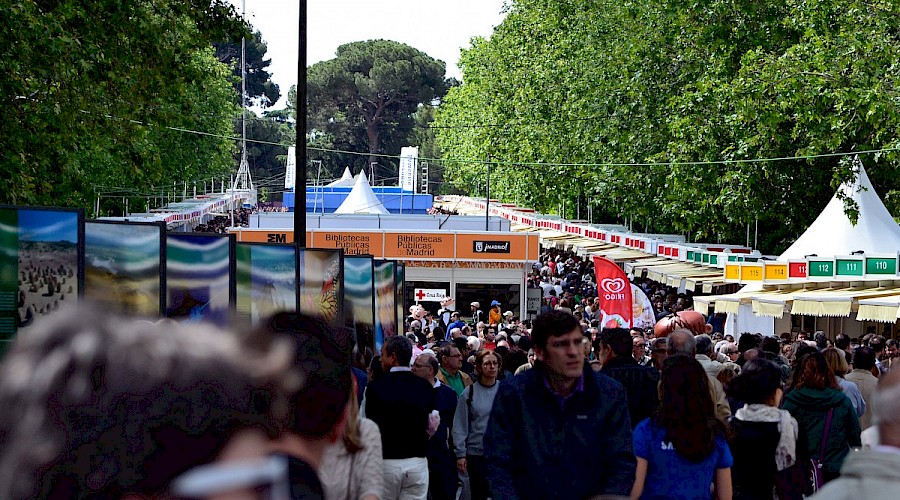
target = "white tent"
x: 833, y: 233
x: 361, y: 200
x: 345, y: 180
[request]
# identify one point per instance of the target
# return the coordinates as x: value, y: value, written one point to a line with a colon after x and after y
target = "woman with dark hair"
x: 764, y: 438
x: 470, y: 422
x: 681, y: 449
x: 818, y: 404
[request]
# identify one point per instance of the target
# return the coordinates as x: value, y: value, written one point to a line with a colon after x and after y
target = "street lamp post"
x: 300, y: 184
x: 487, y: 197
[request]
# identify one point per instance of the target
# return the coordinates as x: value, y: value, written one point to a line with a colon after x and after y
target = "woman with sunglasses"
x: 470, y: 422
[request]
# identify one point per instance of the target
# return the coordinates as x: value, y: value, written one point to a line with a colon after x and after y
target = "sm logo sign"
x: 276, y: 238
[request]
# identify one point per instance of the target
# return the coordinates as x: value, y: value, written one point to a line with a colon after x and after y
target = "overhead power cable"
x: 554, y: 164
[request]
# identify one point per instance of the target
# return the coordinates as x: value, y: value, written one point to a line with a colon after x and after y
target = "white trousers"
x: 406, y: 479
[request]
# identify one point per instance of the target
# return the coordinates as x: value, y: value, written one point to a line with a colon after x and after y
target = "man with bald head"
x: 874, y: 473
x: 681, y: 342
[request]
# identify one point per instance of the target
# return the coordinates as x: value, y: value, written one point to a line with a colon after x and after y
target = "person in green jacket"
x: 813, y: 393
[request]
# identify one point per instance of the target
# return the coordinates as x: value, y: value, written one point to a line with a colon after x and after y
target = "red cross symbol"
x: 420, y: 294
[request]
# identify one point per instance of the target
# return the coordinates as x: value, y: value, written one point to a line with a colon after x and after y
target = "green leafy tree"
x: 635, y: 106
x: 261, y: 90
x: 103, y: 95
x: 364, y: 99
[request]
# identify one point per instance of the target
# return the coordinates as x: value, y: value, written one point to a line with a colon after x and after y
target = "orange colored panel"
x: 353, y: 242
x: 407, y: 245
x: 267, y: 236
x: 491, y: 246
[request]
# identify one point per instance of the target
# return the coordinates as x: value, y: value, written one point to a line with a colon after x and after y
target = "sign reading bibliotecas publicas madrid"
x: 614, y: 291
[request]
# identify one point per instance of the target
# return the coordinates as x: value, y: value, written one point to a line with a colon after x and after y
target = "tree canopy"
x: 261, y: 90
x: 364, y: 100
x: 657, y: 112
x: 107, y: 94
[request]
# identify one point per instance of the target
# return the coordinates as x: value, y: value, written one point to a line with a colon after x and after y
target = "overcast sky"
x: 437, y: 27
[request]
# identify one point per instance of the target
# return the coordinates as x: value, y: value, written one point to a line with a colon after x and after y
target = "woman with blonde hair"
x: 352, y: 466
x: 837, y: 361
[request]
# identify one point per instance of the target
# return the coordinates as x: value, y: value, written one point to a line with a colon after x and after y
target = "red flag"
x: 614, y: 291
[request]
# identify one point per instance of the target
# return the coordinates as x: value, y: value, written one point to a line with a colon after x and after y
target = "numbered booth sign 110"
x: 881, y: 265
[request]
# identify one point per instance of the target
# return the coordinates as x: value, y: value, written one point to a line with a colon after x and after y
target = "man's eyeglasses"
x: 562, y: 344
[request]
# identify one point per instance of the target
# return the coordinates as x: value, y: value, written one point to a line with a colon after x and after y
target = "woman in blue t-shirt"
x: 681, y: 450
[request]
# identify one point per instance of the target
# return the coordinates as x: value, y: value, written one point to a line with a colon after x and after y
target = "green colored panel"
x: 733, y: 258
x: 714, y: 260
x: 705, y: 258
x: 877, y: 265
x: 820, y: 269
x: 849, y: 267
x: 697, y: 256
x: 9, y: 273
x: 690, y: 255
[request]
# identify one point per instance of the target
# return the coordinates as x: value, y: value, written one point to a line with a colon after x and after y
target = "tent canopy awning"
x: 836, y: 303
x: 885, y: 309
x: 723, y: 303
x: 619, y: 253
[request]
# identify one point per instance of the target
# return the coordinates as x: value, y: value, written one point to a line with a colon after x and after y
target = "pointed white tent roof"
x: 345, y: 180
x: 832, y: 233
x: 361, y: 199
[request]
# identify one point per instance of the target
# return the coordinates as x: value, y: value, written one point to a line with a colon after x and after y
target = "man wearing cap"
x: 477, y: 313
x: 494, y: 316
x: 509, y: 320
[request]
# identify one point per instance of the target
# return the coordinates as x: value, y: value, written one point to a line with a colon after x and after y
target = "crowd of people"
x: 239, y: 217
x: 674, y: 412
x: 479, y: 406
x: 567, y: 282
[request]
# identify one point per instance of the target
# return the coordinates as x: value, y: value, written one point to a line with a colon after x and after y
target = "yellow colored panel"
x: 776, y: 272
x: 751, y: 273
x: 732, y: 271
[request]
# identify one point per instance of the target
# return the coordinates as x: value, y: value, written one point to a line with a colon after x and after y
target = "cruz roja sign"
x: 429, y: 294
x: 490, y: 246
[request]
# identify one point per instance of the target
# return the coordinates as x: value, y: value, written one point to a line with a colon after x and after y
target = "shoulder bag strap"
x: 825, y: 434
x: 469, y: 400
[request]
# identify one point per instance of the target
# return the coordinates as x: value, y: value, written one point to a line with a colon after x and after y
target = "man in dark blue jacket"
x: 559, y: 430
x: 618, y: 363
